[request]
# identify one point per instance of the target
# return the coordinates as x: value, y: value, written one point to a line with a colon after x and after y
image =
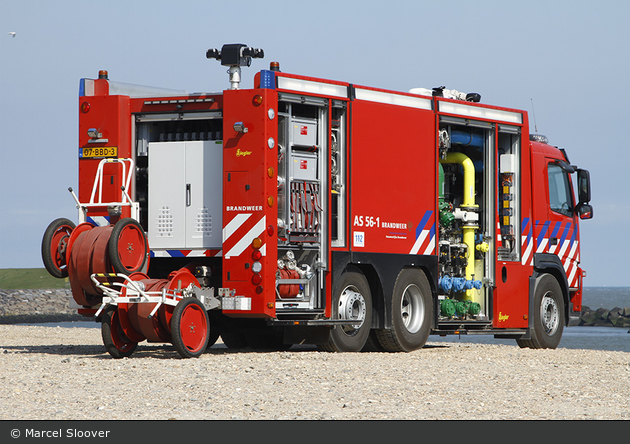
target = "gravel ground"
x: 57, y: 373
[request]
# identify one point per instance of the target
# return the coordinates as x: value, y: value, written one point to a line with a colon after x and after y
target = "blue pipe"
x: 467, y: 139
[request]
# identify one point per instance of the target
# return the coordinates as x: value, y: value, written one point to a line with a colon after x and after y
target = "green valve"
x: 446, y: 216
x: 447, y: 306
x: 462, y: 307
x: 474, y: 308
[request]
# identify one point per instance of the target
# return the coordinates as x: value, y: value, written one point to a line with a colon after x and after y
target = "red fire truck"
x: 315, y: 211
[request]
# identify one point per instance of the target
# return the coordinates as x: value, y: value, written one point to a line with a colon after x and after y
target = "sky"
x: 567, y: 61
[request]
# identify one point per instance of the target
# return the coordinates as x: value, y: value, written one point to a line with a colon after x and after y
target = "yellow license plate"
x: 98, y: 151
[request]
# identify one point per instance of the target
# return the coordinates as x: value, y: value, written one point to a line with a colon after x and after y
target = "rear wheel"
x: 267, y: 339
x: 548, y: 314
x: 231, y: 331
x: 352, y: 301
x: 55, y: 247
x: 190, y: 328
x: 215, y: 329
x: 411, y: 312
x: 234, y: 340
x: 117, y: 344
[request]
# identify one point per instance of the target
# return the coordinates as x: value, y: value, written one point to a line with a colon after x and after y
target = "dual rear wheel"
x: 410, y: 314
x: 352, y: 302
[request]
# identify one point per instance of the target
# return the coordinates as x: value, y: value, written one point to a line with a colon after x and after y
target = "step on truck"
x: 314, y: 211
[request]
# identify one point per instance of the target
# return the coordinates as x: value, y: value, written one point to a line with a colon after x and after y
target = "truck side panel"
x: 393, y: 171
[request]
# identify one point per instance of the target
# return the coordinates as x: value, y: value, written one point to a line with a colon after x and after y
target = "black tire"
x: 55, y: 256
x: 549, y: 317
x: 234, y: 340
x: 117, y: 344
x: 373, y: 344
x: 411, y: 313
x: 267, y: 339
x: 128, y: 231
x: 215, y: 329
x: 231, y: 330
x: 352, y: 299
x: 190, y: 328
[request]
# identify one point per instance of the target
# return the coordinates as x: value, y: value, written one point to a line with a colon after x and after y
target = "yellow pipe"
x: 469, y: 176
x: 469, y: 202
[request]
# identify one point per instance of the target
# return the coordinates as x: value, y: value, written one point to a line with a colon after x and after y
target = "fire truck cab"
x: 307, y: 210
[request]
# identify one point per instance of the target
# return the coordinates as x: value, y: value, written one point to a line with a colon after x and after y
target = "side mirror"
x: 584, y: 186
x: 585, y: 211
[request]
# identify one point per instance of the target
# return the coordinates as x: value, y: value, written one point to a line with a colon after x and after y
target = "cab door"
x: 555, y: 221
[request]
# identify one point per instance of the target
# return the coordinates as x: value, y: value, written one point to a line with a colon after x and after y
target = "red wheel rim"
x: 193, y: 327
x: 59, y: 246
x: 178, y: 280
x: 131, y: 247
x: 121, y: 342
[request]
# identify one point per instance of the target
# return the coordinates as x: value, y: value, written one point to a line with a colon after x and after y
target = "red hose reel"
x: 138, y: 308
x: 105, y: 265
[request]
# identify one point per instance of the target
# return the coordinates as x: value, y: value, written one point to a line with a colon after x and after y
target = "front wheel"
x: 411, y: 312
x: 190, y: 328
x: 352, y: 301
x: 548, y: 314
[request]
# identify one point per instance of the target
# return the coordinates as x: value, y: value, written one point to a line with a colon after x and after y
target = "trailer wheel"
x: 117, y: 344
x: 128, y: 247
x: 411, y: 312
x: 190, y: 328
x: 548, y: 315
x: 352, y: 300
x: 55, y: 247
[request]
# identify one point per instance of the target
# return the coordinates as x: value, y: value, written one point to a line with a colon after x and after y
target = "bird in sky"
x: 12, y: 34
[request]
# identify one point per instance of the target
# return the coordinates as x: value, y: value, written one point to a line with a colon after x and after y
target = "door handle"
x: 187, y: 194
x: 553, y: 241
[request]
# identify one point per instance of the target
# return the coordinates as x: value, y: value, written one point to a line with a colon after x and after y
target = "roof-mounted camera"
x: 235, y: 55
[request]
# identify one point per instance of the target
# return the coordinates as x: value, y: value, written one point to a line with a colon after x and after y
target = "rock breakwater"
x: 602, y: 317
x: 32, y: 306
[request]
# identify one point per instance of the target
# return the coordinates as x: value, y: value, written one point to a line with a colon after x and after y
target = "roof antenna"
x: 534, y: 116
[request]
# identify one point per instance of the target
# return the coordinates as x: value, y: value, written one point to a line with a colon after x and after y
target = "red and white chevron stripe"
x: 239, y: 233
